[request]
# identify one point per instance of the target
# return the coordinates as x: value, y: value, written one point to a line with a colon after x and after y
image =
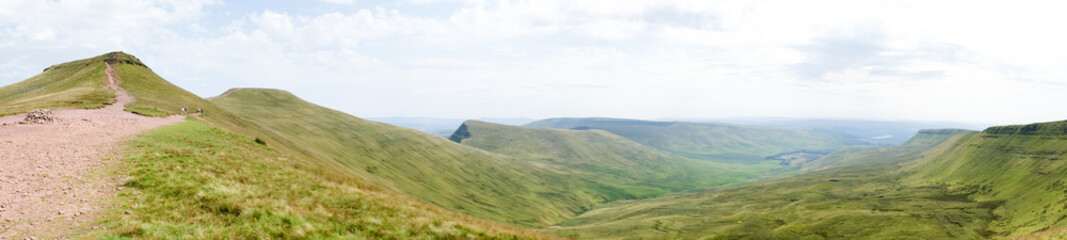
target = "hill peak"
x: 119, y: 57
x: 1045, y: 128
x: 116, y: 57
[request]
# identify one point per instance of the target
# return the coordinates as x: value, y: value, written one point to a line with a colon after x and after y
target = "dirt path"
x: 55, y: 178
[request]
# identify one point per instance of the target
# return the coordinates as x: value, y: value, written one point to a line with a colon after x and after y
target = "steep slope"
x: 424, y: 166
x: 197, y: 181
x: 717, y: 142
x: 609, y: 165
x: 1021, y: 166
x: 77, y: 84
x: 155, y: 96
x: 858, y: 200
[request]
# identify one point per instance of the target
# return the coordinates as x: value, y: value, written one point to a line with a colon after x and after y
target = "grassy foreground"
x: 424, y: 166
x: 195, y: 181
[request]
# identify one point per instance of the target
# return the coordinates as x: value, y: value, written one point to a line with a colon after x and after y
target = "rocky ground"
x: 57, y: 167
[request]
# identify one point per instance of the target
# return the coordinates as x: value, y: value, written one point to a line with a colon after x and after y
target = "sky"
x: 962, y: 61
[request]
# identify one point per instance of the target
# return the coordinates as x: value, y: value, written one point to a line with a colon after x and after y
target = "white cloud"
x: 646, y: 59
x: 339, y: 1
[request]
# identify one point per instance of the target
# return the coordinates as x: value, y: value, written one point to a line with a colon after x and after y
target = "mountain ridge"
x: 215, y: 167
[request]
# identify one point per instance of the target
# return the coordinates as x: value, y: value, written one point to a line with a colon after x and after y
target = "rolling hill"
x: 858, y: 200
x: 77, y: 84
x: 443, y: 126
x: 715, y: 142
x: 1005, y: 181
x: 884, y: 133
x: 427, y: 167
x: 214, y: 177
x: 608, y: 165
x: 1019, y: 166
x: 263, y: 163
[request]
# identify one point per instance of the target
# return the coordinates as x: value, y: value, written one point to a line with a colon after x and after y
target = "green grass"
x: 266, y: 164
x: 612, y: 167
x: 252, y: 201
x: 424, y: 166
x: 80, y: 84
x: 1020, y: 165
x: 862, y: 156
x: 715, y: 142
x: 942, y: 184
x: 852, y: 201
x: 195, y: 181
x: 154, y: 95
x: 77, y: 84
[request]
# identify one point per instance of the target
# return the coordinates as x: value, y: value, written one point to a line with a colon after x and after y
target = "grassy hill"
x: 155, y: 96
x: 610, y: 166
x: 195, y: 181
x: 418, y: 164
x: 854, y: 201
x: 213, y: 177
x: 861, y: 156
x: 80, y: 84
x: 941, y: 184
x: 77, y: 84
x: 716, y: 142
x: 1021, y: 166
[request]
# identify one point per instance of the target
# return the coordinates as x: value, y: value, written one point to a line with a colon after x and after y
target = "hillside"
x: 952, y: 184
x: 609, y: 165
x: 1019, y: 166
x: 716, y: 142
x: 193, y: 180
x: 860, y: 156
x: 418, y: 164
x: 856, y: 201
x: 208, y: 177
x: 77, y: 84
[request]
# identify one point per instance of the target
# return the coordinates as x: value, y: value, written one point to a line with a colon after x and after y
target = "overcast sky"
x: 967, y: 61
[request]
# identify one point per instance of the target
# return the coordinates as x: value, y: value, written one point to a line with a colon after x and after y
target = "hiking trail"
x: 56, y: 177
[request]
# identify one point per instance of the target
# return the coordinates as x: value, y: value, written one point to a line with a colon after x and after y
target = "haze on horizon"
x: 964, y: 61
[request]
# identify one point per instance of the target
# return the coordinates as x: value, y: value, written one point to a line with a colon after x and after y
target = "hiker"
x: 200, y: 110
x: 183, y: 111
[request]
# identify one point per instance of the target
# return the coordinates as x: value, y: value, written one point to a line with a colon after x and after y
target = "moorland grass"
x: 424, y: 166
x: 611, y: 166
x: 154, y: 95
x: 855, y: 201
x: 194, y: 181
x: 77, y: 84
x: 1023, y: 166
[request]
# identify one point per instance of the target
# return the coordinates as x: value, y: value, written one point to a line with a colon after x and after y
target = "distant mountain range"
x: 264, y: 163
x: 889, y: 133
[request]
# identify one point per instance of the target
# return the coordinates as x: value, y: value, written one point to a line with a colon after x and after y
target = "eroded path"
x: 55, y: 178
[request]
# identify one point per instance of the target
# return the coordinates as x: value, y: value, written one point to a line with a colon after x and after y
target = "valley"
x: 265, y: 163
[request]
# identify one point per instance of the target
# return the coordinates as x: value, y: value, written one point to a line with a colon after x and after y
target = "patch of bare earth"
x: 55, y: 166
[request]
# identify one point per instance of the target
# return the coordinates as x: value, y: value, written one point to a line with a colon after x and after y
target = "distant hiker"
x: 200, y: 110
x: 183, y: 111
